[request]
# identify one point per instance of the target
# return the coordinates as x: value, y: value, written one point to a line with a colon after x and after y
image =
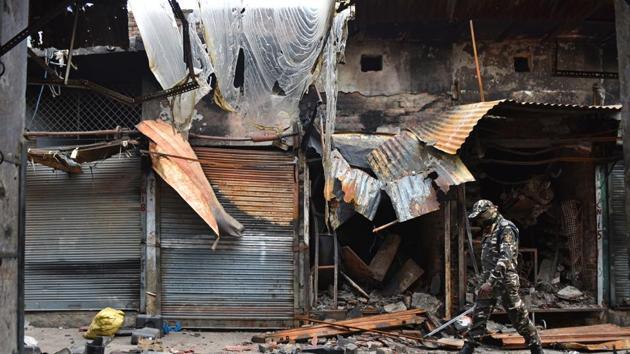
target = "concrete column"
x: 13, y: 18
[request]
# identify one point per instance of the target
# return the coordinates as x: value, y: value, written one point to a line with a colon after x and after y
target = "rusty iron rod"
x: 162, y: 154
x: 382, y: 227
x: 79, y: 133
x: 254, y: 138
x: 474, y: 45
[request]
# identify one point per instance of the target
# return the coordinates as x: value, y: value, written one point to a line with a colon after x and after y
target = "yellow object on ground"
x: 106, y: 323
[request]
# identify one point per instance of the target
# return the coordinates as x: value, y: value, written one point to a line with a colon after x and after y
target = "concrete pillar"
x: 13, y: 18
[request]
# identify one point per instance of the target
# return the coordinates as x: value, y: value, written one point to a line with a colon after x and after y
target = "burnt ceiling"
x: 100, y: 23
x: 447, y: 20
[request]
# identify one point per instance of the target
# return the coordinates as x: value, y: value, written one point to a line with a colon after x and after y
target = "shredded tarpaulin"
x: 331, y: 56
x: 163, y: 43
x: 175, y: 161
x: 278, y: 42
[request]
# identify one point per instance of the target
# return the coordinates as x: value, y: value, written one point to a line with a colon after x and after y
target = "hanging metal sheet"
x: 352, y: 186
x: 619, y: 240
x: 83, y: 235
x: 447, y: 131
x: 405, y: 165
x: 248, y: 281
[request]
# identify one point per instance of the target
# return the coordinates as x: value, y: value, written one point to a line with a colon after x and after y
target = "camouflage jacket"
x: 497, y: 260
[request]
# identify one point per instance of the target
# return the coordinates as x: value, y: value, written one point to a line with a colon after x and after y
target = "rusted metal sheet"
x: 246, y: 282
x: 172, y: 158
x: 83, y: 237
x: 69, y: 158
x: 404, y: 164
x: 353, y: 186
x: 412, y: 196
x: 355, y: 148
x: 447, y: 131
x: 399, y: 157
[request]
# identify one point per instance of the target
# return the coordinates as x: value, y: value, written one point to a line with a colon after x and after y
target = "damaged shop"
x: 308, y: 169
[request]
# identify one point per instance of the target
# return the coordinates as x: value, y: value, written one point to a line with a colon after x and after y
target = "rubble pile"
x: 365, y: 342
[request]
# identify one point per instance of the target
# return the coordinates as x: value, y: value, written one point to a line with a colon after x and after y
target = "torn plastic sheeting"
x: 279, y: 43
x: 186, y: 176
x: 163, y: 43
x: 331, y: 55
x: 352, y: 186
x: 412, y: 196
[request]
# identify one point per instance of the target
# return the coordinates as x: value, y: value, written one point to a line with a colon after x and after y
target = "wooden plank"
x: 447, y: 260
x: 152, y: 291
x: 572, y: 330
x: 355, y: 266
x: 384, y: 257
x: 404, y: 278
x: 355, y: 286
x: 461, y: 256
x: 397, y: 319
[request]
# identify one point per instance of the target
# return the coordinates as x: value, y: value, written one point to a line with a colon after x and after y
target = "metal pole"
x: 74, y: 32
x: 474, y: 45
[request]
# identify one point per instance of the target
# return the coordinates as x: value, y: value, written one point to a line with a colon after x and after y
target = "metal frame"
x: 191, y: 83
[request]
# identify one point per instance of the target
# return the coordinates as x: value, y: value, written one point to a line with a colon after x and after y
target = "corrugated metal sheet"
x: 353, y: 186
x: 398, y: 157
x: 619, y: 238
x: 83, y: 235
x: 248, y: 281
x: 404, y: 163
x: 412, y: 196
x: 448, y: 130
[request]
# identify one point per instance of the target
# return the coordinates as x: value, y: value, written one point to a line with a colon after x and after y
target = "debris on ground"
x: 573, y: 337
x: 570, y: 293
x: 426, y: 301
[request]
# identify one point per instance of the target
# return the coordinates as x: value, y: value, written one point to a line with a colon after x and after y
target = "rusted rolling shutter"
x: 83, y: 235
x: 619, y: 239
x: 246, y: 282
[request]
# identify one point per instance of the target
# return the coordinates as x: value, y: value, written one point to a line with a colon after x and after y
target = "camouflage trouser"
x: 511, y: 301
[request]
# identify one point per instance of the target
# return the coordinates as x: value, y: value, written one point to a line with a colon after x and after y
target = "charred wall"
x: 392, y: 83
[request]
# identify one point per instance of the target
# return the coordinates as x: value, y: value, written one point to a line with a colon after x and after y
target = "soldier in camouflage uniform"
x: 499, y: 278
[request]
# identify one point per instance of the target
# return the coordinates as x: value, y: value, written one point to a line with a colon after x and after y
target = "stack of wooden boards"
x: 384, y: 321
x: 589, y: 338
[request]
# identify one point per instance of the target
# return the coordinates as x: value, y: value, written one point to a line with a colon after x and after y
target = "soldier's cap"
x: 479, y: 207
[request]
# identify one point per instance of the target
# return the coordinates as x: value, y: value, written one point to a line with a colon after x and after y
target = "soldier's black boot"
x: 468, y: 348
x: 536, y: 349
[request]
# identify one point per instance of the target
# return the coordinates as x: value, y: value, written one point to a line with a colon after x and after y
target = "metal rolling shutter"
x: 619, y: 240
x: 246, y: 282
x: 83, y: 235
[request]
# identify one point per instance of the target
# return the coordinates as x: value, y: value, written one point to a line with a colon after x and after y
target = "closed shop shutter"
x: 246, y: 282
x: 619, y: 240
x: 83, y: 235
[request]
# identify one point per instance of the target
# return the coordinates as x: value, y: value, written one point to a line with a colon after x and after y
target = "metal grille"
x: 78, y: 109
x: 248, y: 281
x: 619, y: 240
